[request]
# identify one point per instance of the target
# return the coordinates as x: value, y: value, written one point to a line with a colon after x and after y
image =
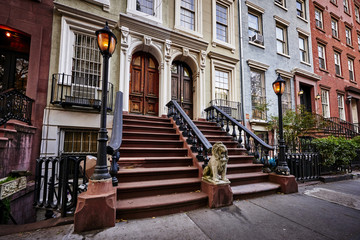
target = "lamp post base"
x: 282, y: 170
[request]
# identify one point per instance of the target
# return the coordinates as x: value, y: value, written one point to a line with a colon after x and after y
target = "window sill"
x: 260, y: 121
x: 226, y: 45
x: 284, y: 55
x: 257, y: 45
x: 353, y: 82
x: 336, y: 38
x: 303, y: 19
x: 339, y: 76
x: 280, y: 6
x: 305, y: 63
x: 334, y: 4
x: 188, y: 31
x: 323, y: 70
x: 350, y: 46
x: 320, y: 29
x: 347, y: 14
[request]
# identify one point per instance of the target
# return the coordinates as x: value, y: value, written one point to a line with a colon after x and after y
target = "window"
x: 303, y: 48
x: 337, y: 61
x: 318, y: 18
x: 286, y: 97
x: 334, y: 28
x: 357, y: 15
x: 334, y: 1
x: 340, y: 99
x: 255, y: 30
x: 321, y: 54
x: 281, y: 2
x: 348, y: 36
x: 346, y: 6
x: 80, y: 141
x: 358, y: 37
x: 351, y: 69
x: 221, y: 23
x: 145, y: 6
x: 325, y: 103
x: 300, y: 8
x: 221, y: 85
x: 187, y: 14
x: 258, y: 97
x: 146, y: 9
x: 281, y: 39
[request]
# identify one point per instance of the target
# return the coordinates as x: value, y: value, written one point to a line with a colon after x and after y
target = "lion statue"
x: 215, y: 171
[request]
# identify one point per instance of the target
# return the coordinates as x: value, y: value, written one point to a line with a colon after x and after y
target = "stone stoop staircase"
x: 247, y: 179
x: 156, y: 175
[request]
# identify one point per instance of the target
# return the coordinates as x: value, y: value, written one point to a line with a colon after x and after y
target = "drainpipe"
x: 241, y: 63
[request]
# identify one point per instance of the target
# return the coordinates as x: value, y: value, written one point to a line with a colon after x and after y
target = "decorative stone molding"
x: 281, y: 20
x: 307, y: 74
x: 284, y: 73
x: 185, y: 52
x: 203, y: 59
x: 254, y: 7
x: 168, y: 49
x: 257, y: 65
x: 303, y: 32
x: 104, y: 3
x: 124, y: 35
x: 9, y: 188
x: 147, y: 40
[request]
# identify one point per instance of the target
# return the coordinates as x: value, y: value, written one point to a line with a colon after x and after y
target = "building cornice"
x: 254, y: 7
x: 307, y: 74
x: 257, y: 65
x: 221, y: 57
x: 284, y: 73
x: 281, y: 20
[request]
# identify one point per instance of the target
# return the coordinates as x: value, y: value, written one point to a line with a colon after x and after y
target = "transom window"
x: 325, y: 103
x: 80, y: 141
x: 337, y: 61
x: 303, y: 48
x: 318, y: 18
x: 351, y: 69
x: 187, y: 14
x: 221, y: 23
x: 281, y: 39
x: 145, y: 6
x: 321, y: 55
x: 346, y: 6
x: 300, y: 8
x: 221, y: 85
x: 348, y: 36
x: 334, y: 28
x: 340, y: 99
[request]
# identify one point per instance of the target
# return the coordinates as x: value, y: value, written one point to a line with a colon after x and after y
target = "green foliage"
x: 8, y: 179
x: 335, y: 151
x: 4, y: 210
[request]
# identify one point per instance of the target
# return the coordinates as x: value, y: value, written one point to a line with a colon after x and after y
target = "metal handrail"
x: 194, y: 136
x: 334, y: 128
x: 346, y: 124
x: 221, y: 116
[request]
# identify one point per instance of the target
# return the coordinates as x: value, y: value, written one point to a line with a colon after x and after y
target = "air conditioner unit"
x: 257, y: 38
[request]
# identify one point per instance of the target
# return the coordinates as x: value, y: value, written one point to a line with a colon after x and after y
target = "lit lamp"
x: 317, y: 97
x: 282, y: 167
x: 107, y: 42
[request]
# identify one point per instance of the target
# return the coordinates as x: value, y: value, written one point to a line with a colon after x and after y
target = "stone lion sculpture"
x: 215, y: 171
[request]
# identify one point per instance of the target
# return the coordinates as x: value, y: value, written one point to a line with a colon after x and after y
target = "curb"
x: 335, y: 178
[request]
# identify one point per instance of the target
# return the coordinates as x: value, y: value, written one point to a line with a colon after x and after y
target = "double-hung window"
x: 221, y: 84
x: 221, y: 23
x: 281, y: 39
x: 358, y: 38
x: 318, y: 18
x: 300, y: 8
x: 351, y: 69
x: 303, y: 48
x: 337, y: 61
x: 346, y: 6
x: 286, y: 98
x: 187, y: 14
x: 255, y: 29
x: 325, y: 103
x: 150, y: 10
x: 334, y: 28
x: 281, y: 2
x: 258, y: 97
x: 348, y: 36
x: 357, y: 14
x: 321, y: 55
x: 340, y: 99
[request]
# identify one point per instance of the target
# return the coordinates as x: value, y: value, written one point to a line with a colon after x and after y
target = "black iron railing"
x: 351, y: 126
x: 330, y: 127
x: 199, y: 144
x: 15, y: 105
x: 58, y: 181
x: 305, y: 166
x: 233, y: 109
x: 254, y: 145
x: 67, y: 90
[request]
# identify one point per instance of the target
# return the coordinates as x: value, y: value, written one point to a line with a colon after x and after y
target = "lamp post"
x: 282, y: 167
x: 106, y: 42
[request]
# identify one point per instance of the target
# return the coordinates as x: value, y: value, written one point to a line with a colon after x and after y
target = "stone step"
x: 152, y: 152
x: 247, y: 178
x: 152, y: 143
x: 254, y: 190
x: 213, y: 132
x: 243, y: 168
x: 146, y: 123
x: 159, y: 205
x: 237, y: 159
x: 236, y: 151
x: 215, y: 138
x: 146, y: 129
x: 157, y: 187
x: 159, y: 173
x: 151, y: 135
x: 145, y: 118
x: 204, y: 123
x: 149, y: 162
x: 228, y: 144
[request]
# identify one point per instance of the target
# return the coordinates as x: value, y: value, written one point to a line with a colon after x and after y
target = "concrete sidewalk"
x: 320, y: 211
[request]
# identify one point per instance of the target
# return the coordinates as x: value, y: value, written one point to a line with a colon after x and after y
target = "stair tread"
x: 144, y: 126
x: 152, y: 140
x: 158, y: 201
x: 246, y: 175
x: 151, y: 148
x: 157, y: 183
x: 148, y: 133
x: 244, y: 165
x: 152, y: 158
x: 156, y: 170
x: 254, y: 188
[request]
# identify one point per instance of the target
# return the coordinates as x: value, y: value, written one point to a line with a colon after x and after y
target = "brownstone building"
x: 25, y: 40
x: 335, y: 31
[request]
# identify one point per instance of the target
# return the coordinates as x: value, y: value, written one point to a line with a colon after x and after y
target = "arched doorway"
x: 144, y: 85
x: 182, y: 86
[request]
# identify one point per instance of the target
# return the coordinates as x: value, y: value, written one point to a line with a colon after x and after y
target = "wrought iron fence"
x: 58, y: 181
x: 15, y: 105
x: 304, y: 166
x: 68, y: 90
x: 233, y: 109
x: 348, y: 125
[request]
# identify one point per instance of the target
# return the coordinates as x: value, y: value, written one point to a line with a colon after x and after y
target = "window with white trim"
x: 281, y: 39
x: 337, y: 61
x: 223, y: 24
x: 318, y: 18
x: 358, y: 38
x: 348, y: 36
x: 300, y: 8
x: 77, y: 141
x: 255, y: 27
x: 325, y: 103
x: 146, y: 9
x: 286, y: 97
x: 341, y: 107
x: 334, y: 1
x: 188, y: 16
x: 334, y: 28
x: 351, y: 69
x: 258, y: 96
x: 357, y: 15
x: 346, y: 6
x: 321, y: 55
x: 281, y: 3
x: 221, y: 84
x: 303, y: 48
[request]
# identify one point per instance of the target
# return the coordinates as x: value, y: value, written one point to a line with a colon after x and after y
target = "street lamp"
x: 282, y: 167
x: 106, y: 42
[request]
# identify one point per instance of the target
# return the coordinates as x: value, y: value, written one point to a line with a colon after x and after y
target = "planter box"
x: 9, y: 188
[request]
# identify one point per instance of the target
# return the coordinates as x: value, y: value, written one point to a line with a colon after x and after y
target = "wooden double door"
x: 144, y: 85
x: 182, y: 86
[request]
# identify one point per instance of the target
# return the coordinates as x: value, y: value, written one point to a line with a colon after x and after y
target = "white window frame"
x: 334, y: 28
x: 156, y: 18
x: 303, y: 9
x: 358, y: 38
x: 351, y: 69
x: 337, y: 62
x: 323, y: 55
x: 286, y: 98
x: 348, y: 36
x: 341, y: 107
x: 325, y: 103
x: 198, y: 27
x: 263, y: 92
x: 220, y: 70
x: 306, y: 48
x: 218, y: 65
x: 357, y: 13
x: 230, y: 44
x: 281, y: 3
x: 319, y: 19
x: 346, y: 6
x: 259, y: 22
x: 284, y: 40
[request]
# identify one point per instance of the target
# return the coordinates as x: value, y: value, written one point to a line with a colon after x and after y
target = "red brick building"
x: 335, y: 33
